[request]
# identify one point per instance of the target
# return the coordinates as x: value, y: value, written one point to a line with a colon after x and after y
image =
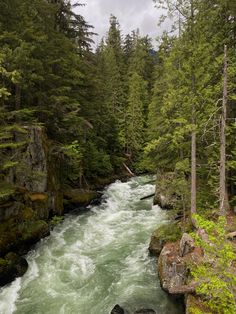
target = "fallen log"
x: 129, y: 171
x: 148, y: 196
x: 231, y: 235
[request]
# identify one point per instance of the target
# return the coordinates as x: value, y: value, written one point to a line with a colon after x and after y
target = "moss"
x: 164, y: 234
x: 80, y: 196
x: 56, y: 220
x: 3, y: 262
x: 14, y: 232
x: 35, y: 229
x: 169, y: 232
x: 195, y: 305
x: 10, y: 164
x: 6, y: 193
x: 28, y: 214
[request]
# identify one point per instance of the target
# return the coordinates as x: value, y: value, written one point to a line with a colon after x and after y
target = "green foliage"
x: 10, y: 164
x: 98, y: 163
x: 215, y: 274
x: 56, y: 220
x: 3, y: 262
x: 5, y: 192
x: 169, y: 232
x: 74, y: 155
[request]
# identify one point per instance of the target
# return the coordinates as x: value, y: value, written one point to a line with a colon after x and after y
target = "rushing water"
x: 92, y: 261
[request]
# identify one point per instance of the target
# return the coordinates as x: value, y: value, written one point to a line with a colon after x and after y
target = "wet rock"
x: 145, y: 311
x: 11, y: 267
x: 156, y: 245
x: 79, y: 197
x: 163, y: 201
x: 117, y: 310
x: 186, y: 244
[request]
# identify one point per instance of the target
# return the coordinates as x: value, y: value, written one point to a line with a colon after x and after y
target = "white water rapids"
x: 92, y: 261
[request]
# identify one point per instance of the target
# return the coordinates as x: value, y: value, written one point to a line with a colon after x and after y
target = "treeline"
x: 185, y: 113
x: 124, y: 103
x: 93, y: 105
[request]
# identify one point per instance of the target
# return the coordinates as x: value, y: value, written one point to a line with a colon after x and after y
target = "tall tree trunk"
x: 193, y: 171
x: 193, y: 135
x: 223, y: 194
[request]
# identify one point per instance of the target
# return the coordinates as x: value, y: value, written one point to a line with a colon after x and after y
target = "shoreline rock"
x: 164, y: 234
x: 173, y: 265
x: 11, y: 267
x: 117, y: 310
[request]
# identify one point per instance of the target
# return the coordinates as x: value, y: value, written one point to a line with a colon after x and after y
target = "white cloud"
x: 131, y: 14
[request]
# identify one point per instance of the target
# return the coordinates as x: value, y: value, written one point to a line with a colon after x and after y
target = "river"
x: 94, y: 260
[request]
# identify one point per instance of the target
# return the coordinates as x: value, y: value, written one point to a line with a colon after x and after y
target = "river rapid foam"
x: 91, y: 262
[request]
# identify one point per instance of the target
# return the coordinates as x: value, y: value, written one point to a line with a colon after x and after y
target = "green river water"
x: 92, y: 261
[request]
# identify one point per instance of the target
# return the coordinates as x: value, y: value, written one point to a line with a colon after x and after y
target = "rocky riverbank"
x: 31, y: 200
x: 175, y: 252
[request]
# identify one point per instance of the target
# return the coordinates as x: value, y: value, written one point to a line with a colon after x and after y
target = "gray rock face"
x: 36, y: 176
x: 35, y: 160
x: 172, y: 271
x: 173, y: 268
x: 186, y: 245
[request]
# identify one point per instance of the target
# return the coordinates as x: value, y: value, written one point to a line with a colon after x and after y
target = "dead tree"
x: 223, y: 191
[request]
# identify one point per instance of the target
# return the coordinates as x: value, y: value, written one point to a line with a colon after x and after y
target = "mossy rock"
x: 28, y: 214
x: 11, y: 267
x: 34, y: 231
x: 20, y: 237
x: 166, y: 233
x: 79, y: 197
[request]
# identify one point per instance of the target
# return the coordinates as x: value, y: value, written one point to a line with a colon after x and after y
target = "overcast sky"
x: 132, y: 14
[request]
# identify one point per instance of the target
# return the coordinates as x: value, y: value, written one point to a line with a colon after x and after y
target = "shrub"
x: 215, y: 274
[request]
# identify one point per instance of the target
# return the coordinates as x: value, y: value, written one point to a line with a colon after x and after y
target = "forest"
x: 127, y: 104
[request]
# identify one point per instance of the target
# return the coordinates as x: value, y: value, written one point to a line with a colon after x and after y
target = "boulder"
x: 11, y: 267
x: 117, y: 310
x: 163, y: 201
x: 156, y: 245
x: 173, y: 268
x: 79, y: 197
x: 186, y: 245
x: 166, y: 233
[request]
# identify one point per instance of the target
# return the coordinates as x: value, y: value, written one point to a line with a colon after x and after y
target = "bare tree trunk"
x: 193, y: 136
x: 223, y: 194
x: 193, y: 174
